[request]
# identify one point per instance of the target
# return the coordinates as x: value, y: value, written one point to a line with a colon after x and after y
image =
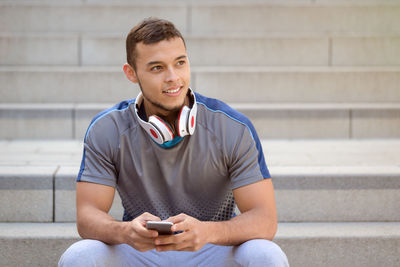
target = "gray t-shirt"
x: 193, y: 175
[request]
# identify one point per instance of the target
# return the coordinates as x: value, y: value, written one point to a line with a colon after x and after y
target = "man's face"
x: 163, y: 73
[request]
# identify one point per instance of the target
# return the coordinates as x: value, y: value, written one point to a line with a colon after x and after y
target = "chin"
x: 176, y: 107
x: 179, y: 103
x: 169, y: 108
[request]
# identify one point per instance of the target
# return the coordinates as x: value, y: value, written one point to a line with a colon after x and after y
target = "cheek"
x: 185, y: 74
x: 150, y: 81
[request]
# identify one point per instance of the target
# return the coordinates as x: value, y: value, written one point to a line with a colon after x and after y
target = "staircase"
x: 320, y: 80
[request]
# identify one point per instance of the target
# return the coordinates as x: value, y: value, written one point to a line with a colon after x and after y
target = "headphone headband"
x: 159, y: 130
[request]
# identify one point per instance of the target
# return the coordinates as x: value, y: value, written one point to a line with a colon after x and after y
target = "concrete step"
x: 314, y: 180
x: 208, y: 17
x: 303, y: 194
x: 84, y: 17
x: 283, y: 120
x: 278, y: 153
x: 299, y: 84
x: 41, y: 193
x: 272, y: 50
x: 244, y: 84
x: 306, y: 244
x: 337, y: 194
x: 340, y: 244
x: 35, y: 244
x: 300, y: 18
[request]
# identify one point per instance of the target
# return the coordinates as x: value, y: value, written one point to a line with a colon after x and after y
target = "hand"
x: 138, y: 236
x: 193, y: 237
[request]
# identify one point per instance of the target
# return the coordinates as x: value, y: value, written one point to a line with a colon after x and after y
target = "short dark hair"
x: 149, y: 31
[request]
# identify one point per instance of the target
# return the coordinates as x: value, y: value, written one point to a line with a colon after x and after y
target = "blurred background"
x: 319, y: 79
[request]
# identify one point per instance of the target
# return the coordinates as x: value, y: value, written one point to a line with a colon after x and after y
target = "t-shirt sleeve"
x: 247, y: 163
x: 97, y: 162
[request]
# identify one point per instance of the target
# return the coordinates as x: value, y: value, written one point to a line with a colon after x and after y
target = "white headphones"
x: 160, y: 131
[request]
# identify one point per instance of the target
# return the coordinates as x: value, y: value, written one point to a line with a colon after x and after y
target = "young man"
x: 173, y: 155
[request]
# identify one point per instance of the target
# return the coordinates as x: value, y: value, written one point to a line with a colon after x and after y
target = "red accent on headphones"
x: 160, y: 131
x: 153, y: 133
x: 166, y: 125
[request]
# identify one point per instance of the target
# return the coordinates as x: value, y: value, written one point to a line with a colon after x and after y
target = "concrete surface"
x: 277, y: 54
x: 327, y: 180
x: 65, y: 197
x: 278, y: 49
x: 26, y: 194
x: 303, y: 18
x: 306, y: 244
x: 262, y: 84
x: 69, y: 17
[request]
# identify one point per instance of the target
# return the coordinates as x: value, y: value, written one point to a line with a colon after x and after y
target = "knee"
x: 83, y: 253
x: 260, y: 252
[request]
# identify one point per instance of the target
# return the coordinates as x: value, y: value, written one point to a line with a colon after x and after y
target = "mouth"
x: 175, y: 90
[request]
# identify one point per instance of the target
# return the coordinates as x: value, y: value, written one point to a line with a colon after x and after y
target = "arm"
x: 258, y: 220
x: 93, y: 201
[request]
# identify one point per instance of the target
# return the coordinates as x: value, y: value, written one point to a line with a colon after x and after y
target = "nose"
x: 171, y: 75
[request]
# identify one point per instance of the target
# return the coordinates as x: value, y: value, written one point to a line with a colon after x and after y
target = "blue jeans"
x: 256, y: 252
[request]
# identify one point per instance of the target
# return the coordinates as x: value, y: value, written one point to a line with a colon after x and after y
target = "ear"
x: 130, y: 73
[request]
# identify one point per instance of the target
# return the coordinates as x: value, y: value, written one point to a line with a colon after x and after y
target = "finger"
x: 165, y: 248
x: 141, y: 230
x: 182, y: 226
x: 177, y: 218
x: 144, y: 232
x: 186, y: 249
x: 170, y: 239
x: 184, y: 246
x: 180, y: 242
x: 188, y: 245
x: 145, y: 247
x: 148, y: 217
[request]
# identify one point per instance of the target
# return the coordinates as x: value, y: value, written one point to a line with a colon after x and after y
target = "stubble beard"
x: 160, y: 105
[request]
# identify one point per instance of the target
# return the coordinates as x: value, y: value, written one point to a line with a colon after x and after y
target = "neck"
x: 166, y: 115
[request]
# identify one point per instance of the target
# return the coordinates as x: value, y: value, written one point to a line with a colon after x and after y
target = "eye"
x: 156, y: 68
x: 181, y: 62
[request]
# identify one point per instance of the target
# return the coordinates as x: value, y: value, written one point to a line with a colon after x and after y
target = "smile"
x: 173, y: 91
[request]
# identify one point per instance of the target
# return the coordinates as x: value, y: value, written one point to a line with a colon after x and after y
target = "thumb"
x: 148, y: 217
x: 176, y: 219
x: 181, y: 222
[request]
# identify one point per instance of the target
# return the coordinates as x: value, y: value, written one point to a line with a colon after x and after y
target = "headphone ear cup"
x: 192, y: 119
x: 163, y: 127
x: 154, y: 133
x: 182, y: 123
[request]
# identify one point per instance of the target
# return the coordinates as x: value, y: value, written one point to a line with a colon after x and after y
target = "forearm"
x: 253, y: 224
x: 95, y: 224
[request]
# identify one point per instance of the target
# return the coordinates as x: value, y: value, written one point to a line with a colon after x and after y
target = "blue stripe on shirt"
x: 215, y: 105
x: 118, y: 107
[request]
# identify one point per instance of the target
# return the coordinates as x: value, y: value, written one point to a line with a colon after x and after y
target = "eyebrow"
x: 160, y: 62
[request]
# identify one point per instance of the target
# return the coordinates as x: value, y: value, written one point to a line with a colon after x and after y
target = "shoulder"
x: 219, y: 115
x: 111, y: 121
x: 104, y: 132
x: 233, y: 129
